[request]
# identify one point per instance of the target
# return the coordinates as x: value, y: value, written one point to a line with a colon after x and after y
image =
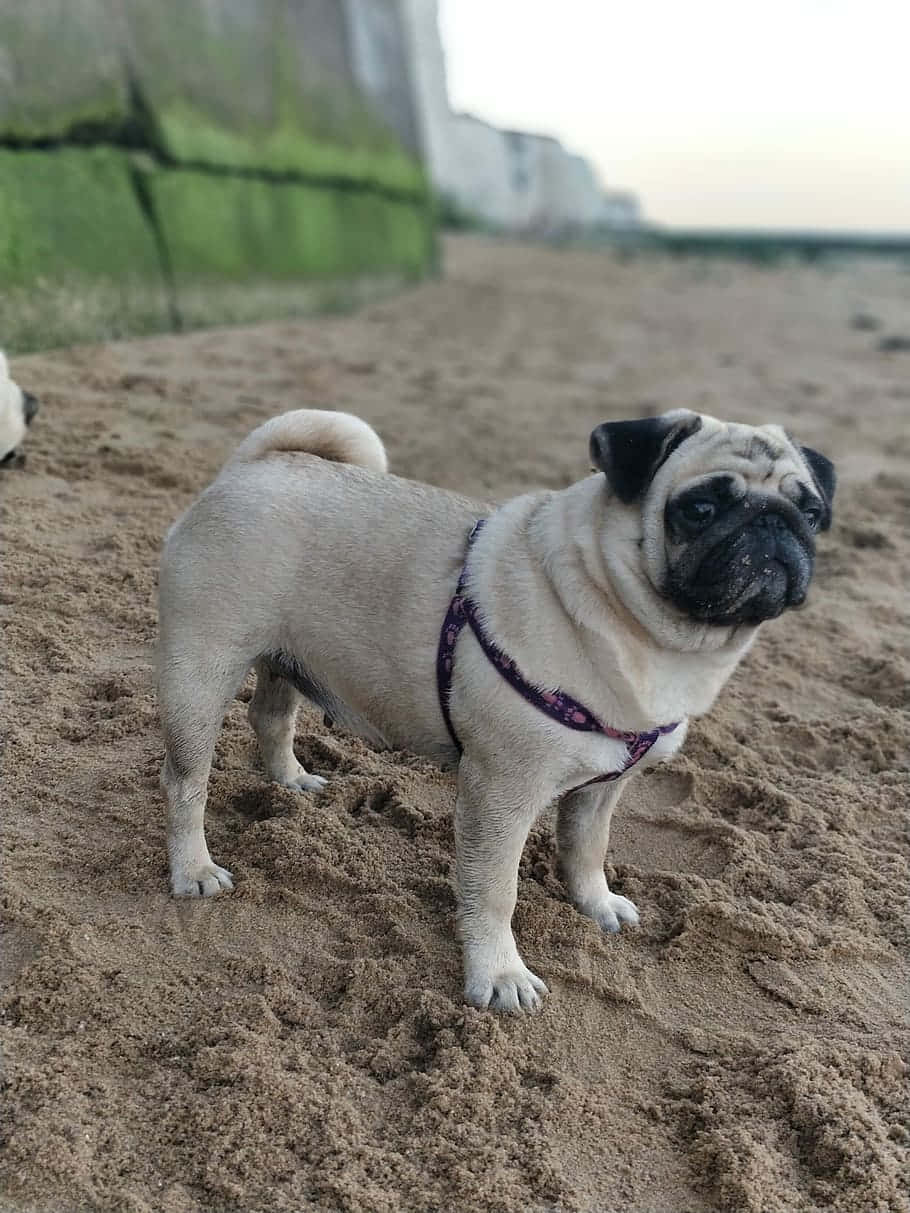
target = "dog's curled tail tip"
x: 338, y: 437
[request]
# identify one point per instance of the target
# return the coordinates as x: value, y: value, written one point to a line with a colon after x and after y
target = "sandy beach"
x: 302, y: 1043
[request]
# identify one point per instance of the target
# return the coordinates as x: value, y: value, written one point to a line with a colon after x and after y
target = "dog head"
x: 728, y: 513
x: 17, y: 409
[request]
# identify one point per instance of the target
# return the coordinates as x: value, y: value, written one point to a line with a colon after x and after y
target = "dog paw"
x: 299, y: 779
x: 204, y: 881
x: 611, y: 911
x: 514, y: 989
x: 307, y: 783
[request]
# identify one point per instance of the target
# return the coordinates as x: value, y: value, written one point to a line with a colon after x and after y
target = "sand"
x: 302, y: 1043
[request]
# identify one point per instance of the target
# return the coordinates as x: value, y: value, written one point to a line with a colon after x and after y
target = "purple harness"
x: 556, y: 704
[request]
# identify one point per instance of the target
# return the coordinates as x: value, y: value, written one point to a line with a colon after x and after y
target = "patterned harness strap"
x: 555, y: 704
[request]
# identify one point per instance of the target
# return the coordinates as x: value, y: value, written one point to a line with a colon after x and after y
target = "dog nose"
x: 29, y: 406
x: 772, y: 521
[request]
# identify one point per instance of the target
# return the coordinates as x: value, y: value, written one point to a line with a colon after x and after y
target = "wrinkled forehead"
x: 762, y: 455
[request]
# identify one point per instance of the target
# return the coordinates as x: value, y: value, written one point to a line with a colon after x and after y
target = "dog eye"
x: 698, y: 511
x: 812, y: 515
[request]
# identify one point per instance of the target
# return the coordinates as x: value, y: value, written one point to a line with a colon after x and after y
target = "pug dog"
x: 551, y: 647
x: 17, y: 410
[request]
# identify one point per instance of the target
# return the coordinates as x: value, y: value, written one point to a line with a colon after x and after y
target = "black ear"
x: 630, y: 452
x: 29, y: 407
x: 825, y: 478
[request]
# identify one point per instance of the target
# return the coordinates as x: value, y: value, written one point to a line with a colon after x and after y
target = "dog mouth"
x: 748, y: 576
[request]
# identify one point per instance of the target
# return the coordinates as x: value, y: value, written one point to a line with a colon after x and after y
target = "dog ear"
x: 630, y: 452
x: 825, y: 478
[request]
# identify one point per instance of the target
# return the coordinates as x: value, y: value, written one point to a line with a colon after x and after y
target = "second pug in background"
x: 551, y: 647
x: 17, y: 410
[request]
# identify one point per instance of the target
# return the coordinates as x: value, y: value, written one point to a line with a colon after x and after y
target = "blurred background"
x: 793, y: 114
x: 167, y: 164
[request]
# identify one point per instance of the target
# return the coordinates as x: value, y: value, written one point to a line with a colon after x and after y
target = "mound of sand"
x: 302, y: 1043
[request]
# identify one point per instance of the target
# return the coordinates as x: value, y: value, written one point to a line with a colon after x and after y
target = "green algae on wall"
x: 220, y: 226
x: 78, y: 260
x: 189, y: 137
x: 298, y: 110
x: 72, y: 211
x: 152, y: 149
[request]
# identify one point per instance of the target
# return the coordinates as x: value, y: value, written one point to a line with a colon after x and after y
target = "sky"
x: 717, y: 113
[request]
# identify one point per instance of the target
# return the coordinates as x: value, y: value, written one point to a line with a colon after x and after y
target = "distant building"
x: 622, y: 210
x: 512, y: 180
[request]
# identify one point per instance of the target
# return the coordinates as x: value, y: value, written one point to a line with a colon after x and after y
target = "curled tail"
x: 339, y: 437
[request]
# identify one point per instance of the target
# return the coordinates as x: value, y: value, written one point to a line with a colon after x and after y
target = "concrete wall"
x: 60, y: 66
x: 512, y: 180
x: 442, y: 155
x: 380, y: 61
x: 213, y: 139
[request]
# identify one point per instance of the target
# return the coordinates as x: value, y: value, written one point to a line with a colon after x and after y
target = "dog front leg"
x: 583, y: 831
x: 492, y: 820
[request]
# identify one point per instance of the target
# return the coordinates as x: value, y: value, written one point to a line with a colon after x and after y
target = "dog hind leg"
x: 273, y: 715
x: 193, y: 699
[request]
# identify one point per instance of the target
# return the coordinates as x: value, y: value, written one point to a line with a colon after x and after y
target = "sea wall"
x: 173, y: 143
